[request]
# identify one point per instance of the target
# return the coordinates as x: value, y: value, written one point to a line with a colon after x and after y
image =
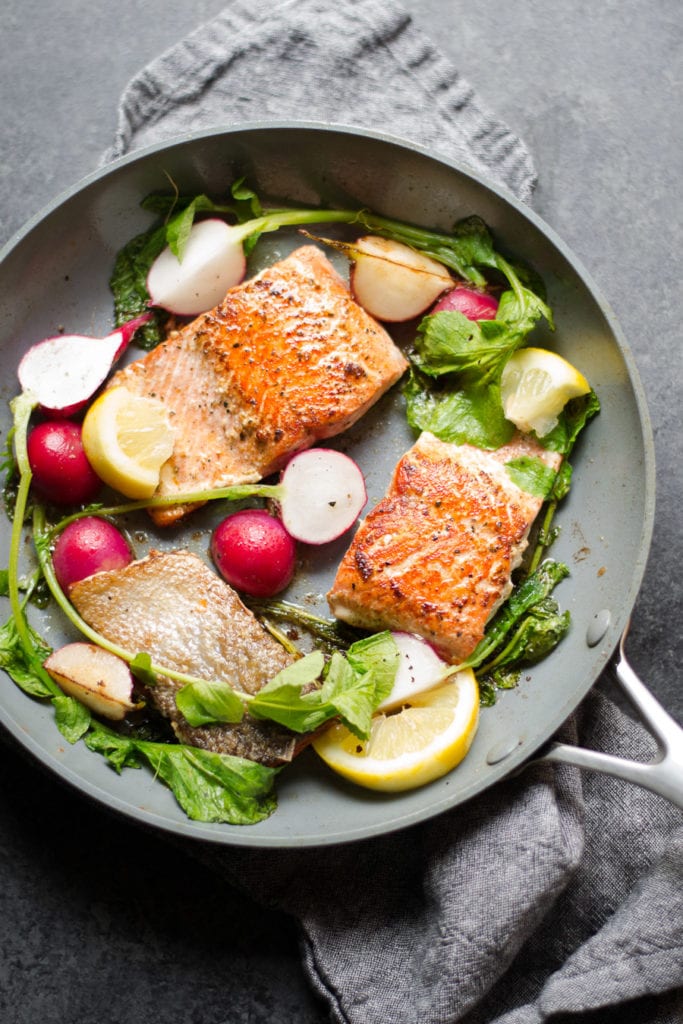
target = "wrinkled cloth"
x: 556, y: 893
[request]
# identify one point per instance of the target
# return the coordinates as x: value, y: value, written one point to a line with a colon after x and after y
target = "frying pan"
x: 54, y: 274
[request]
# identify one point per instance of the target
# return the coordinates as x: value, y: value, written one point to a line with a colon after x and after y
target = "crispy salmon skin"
x: 436, y: 554
x: 172, y: 606
x: 287, y: 359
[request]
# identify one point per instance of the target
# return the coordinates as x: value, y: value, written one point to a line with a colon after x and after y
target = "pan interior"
x: 54, y: 276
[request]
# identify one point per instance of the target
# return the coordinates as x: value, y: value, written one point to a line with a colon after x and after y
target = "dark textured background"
x: 100, y: 921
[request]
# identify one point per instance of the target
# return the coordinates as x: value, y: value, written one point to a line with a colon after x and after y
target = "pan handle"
x: 663, y: 775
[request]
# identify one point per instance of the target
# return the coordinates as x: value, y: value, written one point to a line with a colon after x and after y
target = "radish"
x: 87, y: 546
x: 419, y: 669
x: 253, y: 552
x: 95, y: 677
x: 393, y: 282
x: 64, y: 372
x: 60, y: 467
x: 473, y: 304
x: 323, y: 493
x: 213, y: 261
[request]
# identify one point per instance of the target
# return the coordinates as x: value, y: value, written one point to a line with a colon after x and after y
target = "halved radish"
x: 64, y: 372
x: 323, y: 495
x: 95, y: 677
x: 213, y: 261
x: 419, y: 669
x: 393, y: 282
x: 473, y: 304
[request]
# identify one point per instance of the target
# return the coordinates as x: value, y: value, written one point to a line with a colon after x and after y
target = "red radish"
x: 60, y: 467
x: 212, y: 261
x: 472, y: 304
x: 97, y: 678
x: 87, y: 546
x: 64, y: 372
x: 393, y: 282
x: 323, y: 495
x: 419, y: 669
x: 253, y: 552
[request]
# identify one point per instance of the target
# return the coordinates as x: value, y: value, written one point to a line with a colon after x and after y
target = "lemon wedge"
x: 422, y: 741
x: 127, y: 438
x: 535, y: 387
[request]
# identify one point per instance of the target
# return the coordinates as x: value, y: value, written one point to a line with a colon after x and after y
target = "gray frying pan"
x: 54, y: 275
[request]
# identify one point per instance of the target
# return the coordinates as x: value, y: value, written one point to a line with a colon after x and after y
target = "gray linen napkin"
x: 555, y: 894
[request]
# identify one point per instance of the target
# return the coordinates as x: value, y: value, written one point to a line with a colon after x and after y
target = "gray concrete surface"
x: 100, y: 921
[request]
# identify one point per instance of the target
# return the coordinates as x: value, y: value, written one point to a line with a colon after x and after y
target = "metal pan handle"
x: 663, y: 775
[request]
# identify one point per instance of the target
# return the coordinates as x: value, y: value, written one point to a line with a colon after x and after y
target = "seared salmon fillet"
x: 174, y: 607
x: 435, y: 556
x: 288, y: 358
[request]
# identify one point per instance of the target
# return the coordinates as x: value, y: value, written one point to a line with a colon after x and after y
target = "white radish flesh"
x: 419, y: 669
x: 393, y: 282
x: 64, y: 372
x: 212, y: 261
x: 95, y: 677
x: 323, y: 495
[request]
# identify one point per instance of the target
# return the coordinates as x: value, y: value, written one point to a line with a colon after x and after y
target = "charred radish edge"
x: 94, y: 677
x: 64, y: 372
x: 420, y: 669
x: 323, y: 493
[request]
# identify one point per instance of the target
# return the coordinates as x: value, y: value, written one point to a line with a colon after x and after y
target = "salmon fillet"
x: 435, y: 556
x: 288, y: 358
x: 174, y: 607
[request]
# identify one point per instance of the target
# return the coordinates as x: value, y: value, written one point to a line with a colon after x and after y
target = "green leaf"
x: 350, y: 695
x: 120, y: 751
x: 531, y: 591
x: 178, y: 230
x: 532, y: 475
x: 72, y: 718
x: 573, y: 418
x: 213, y: 787
x: 300, y: 673
x: 351, y: 689
x: 377, y: 654
x: 473, y: 415
x: 208, y: 786
x: 26, y: 670
x: 128, y: 283
x: 287, y: 705
x: 448, y: 342
x: 203, y: 703
x: 141, y: 667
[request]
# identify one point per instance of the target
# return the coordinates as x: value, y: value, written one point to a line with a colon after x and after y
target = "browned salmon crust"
x: 287, y: 359
x: 174, y: 607
x: 435, y: 556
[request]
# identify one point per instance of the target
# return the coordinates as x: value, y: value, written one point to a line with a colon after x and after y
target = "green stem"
x: 22, y: 407
x: 284, y: 218
x: 543, y: 535
x: 235, y: 493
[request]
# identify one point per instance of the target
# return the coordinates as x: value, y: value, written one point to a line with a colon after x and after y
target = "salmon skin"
x: 435, y: 556
x: 288, y: 358
x: 172, y: 606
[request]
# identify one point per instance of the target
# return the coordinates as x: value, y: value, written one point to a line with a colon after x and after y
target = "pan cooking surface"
x: 54, y: 275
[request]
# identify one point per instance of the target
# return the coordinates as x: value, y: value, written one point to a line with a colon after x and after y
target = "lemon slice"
x: 535, y: 387
x: 127, y: 438
x: 422, y: 741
